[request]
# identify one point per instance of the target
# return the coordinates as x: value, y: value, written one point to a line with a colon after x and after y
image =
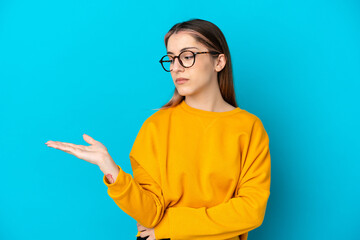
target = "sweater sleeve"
x: 242, y: 213
x: 140, y: 196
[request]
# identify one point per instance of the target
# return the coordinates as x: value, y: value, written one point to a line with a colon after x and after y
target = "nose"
x: 177, y: 66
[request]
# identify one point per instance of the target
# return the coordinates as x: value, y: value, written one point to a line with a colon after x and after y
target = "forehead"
x: 181, y: 40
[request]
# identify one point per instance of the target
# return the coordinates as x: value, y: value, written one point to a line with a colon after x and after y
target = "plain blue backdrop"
x: 74, y: 67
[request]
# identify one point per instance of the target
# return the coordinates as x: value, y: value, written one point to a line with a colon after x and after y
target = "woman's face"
x: 202, y: 75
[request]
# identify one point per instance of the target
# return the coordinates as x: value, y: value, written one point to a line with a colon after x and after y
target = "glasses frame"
x: 181, y: 63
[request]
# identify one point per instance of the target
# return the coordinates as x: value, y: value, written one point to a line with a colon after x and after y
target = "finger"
x: 144, y: 234
x: 82, y: 147
x: 141, y: 228
x: 65, y: 148
x: 89, y: 139
x: 53, y: 143
x: 59, y: 144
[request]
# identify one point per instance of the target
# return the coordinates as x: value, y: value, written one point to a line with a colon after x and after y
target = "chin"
x: 183, y: 91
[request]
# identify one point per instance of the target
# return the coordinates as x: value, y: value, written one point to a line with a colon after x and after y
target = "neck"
x: 209, y: 99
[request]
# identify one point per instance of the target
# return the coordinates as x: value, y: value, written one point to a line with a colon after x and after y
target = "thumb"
x: 89, y: 139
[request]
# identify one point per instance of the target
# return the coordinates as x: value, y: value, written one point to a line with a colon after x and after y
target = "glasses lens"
x: 187, y: 58
x: 166, y: 61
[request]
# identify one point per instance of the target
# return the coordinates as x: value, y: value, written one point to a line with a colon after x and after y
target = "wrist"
x: 110, y: 170
x: 107, y: 165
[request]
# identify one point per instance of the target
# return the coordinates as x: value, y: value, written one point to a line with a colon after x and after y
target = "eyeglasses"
x: 186, y: 59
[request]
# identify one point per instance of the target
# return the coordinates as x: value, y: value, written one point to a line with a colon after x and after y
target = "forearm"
x: 134, y: 197
x: 110, y: 169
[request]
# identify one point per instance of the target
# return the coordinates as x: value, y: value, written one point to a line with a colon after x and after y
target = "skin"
x: 201, y: 91
x: 144, y: 232
x: 96, y: 154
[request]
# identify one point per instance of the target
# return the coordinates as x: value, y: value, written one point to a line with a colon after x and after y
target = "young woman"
x: 201, y: 165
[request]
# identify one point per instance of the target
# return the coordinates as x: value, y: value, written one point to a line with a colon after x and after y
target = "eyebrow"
x: 183, y: 49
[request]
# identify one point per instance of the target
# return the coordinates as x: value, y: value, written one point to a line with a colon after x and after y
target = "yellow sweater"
x: 198, y: 175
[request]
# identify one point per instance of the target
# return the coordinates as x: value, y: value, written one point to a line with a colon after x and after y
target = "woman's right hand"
x: 96, y: 153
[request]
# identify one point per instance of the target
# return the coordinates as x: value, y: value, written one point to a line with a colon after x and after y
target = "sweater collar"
x: 205, y: 113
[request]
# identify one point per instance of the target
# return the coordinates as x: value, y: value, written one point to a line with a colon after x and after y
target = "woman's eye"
x: 188, y: 57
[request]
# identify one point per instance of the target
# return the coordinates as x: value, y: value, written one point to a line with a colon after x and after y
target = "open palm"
x: 95, y: 153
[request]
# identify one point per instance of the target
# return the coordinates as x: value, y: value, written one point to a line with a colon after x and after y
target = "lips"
x: 181, y: 80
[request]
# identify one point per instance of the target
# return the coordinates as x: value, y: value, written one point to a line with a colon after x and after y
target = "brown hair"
x: 211, y: 36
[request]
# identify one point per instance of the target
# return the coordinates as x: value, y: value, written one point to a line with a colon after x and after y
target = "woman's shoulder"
x: 159, y: 116
x: 244, y: 116
x: 246, y: 121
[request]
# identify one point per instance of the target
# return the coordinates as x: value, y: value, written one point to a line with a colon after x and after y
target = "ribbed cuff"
x: 162, y: 230
x: 118, y: 187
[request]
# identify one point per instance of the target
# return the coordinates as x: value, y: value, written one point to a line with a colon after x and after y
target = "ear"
x: 220, y: 62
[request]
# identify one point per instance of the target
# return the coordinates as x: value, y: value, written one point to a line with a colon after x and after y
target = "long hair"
x: 211, y: 36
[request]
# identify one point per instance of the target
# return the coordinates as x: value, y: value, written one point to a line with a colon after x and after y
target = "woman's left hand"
x: 144, y: 232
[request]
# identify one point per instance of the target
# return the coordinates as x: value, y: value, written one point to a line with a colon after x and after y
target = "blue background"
x: 74, y: 67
